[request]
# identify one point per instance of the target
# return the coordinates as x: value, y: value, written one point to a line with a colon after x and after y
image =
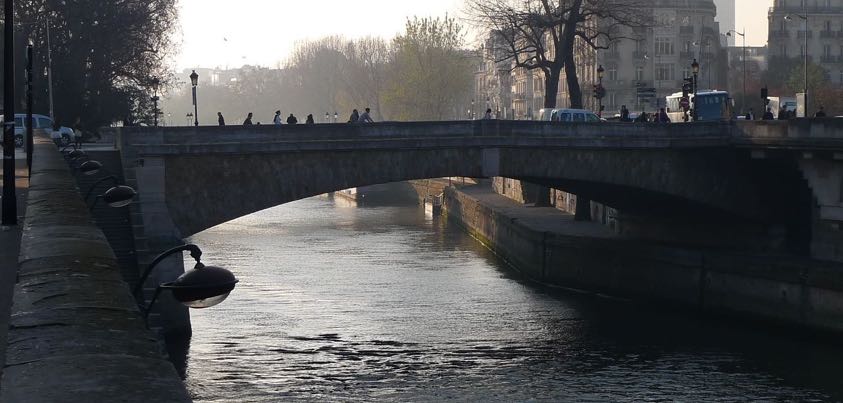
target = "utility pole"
x: 50, y: 70
x: 10, y: 208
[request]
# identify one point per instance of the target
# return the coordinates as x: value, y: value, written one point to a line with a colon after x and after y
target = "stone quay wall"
x: 790, y: 291
x: 75, y: 333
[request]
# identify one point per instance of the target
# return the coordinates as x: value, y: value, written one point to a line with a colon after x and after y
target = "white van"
x: 568, y: 115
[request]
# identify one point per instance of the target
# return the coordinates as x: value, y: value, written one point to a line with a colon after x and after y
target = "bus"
x: 710, y: 104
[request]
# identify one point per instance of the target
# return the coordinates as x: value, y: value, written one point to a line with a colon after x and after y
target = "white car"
x: 65, y: 134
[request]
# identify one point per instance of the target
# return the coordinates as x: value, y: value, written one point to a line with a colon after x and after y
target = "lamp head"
x: 203, y: 286
x: 90, y: 167
x: 194, y: 78
x: 695, y: 66
x: 600, y: 71
x: 788, y: 18
x: 119, y: 196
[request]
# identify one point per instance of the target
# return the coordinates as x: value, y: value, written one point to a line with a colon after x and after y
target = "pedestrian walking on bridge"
x: 291, y: 120
x: 220, y: 119
x: 248, y: 121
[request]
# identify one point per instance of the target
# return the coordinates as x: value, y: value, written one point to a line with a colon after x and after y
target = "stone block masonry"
x: 550, y: 248
x: 75, y: 333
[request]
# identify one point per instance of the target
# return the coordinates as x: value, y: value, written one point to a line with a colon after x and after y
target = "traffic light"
x: 595, y: 90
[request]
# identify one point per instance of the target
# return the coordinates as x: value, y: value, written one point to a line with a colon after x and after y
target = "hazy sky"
x: 217, y: 33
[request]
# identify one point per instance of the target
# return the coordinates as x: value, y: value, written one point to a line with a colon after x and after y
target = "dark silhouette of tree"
x: 105, y: 54
x: 544, y: 35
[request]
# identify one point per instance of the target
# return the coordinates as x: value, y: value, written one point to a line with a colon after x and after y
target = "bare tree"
x: 543, y: 34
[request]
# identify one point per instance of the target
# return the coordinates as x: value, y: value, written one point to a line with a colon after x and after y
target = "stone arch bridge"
x: 761, y: 177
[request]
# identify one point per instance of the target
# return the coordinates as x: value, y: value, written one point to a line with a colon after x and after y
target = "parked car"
x: 568, y: 115
x: 65, y: 134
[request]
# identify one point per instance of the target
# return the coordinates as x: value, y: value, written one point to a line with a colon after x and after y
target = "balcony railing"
x: 831, y: 59
x: 780, y: 34
x: 808, y: 9
x: 828, y: 34
x: 801, y: 34
x: 686, y: 30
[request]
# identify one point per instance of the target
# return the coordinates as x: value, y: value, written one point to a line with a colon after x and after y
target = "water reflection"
x: 354, y: 304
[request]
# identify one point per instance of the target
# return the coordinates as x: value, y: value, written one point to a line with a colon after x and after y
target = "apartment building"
x: 817, y: 22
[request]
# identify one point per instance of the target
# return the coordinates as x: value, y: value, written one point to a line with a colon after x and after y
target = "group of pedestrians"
x: 356, y: 117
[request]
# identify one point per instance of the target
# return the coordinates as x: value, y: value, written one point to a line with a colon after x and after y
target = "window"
x: 613, y: 72
x: 639, y: 73
x: 44, y: 123
x: 579, y: 117
x: 827, y: 50
x: 664, y: 46
x: 640, y: 46
x: 664, y: 72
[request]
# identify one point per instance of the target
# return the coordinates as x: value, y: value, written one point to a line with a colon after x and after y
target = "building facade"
x: 822, y: 29
x: 726, y: 17
x: 656, y: 58
x: 660, y: 57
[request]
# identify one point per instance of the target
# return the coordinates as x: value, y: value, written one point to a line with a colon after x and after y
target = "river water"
x: 343, y: 303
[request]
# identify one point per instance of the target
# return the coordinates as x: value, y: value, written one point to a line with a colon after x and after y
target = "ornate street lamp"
x: 200, y: 287
x: 118, y: 196
x: 194, y: 81
x: 695, y: 68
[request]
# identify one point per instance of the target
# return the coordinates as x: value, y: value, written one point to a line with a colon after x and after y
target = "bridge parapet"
x: 75, y: 331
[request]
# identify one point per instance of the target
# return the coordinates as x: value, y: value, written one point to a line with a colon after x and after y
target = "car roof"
x: 573, y: 110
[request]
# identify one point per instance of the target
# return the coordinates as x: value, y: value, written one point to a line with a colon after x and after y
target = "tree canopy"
x: 105, y: 54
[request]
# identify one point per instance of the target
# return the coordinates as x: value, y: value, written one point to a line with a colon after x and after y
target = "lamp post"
x: 599, y: 94
x: 695, y: 68
x: 194, y: 80
x: 155, y: 83
x: 10, y: 209
x: 743, y: 39
x: 201, y: 287
x: 789, y: 17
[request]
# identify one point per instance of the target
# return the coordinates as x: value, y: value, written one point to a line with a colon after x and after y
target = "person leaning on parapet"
x: 488, y: 114
x: 277, y: 119
x: 624, y: 114
x: 783, y: 115
x: 355, y: 116
x: 365, y: 118
x: 768, y: 115
x: 820, y: 113
x: 309, y: 120
x: 662, y: 116
x: 291, y: 120
x: 220, y: 119
x: 248, y: 121
x: 750, y: 115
